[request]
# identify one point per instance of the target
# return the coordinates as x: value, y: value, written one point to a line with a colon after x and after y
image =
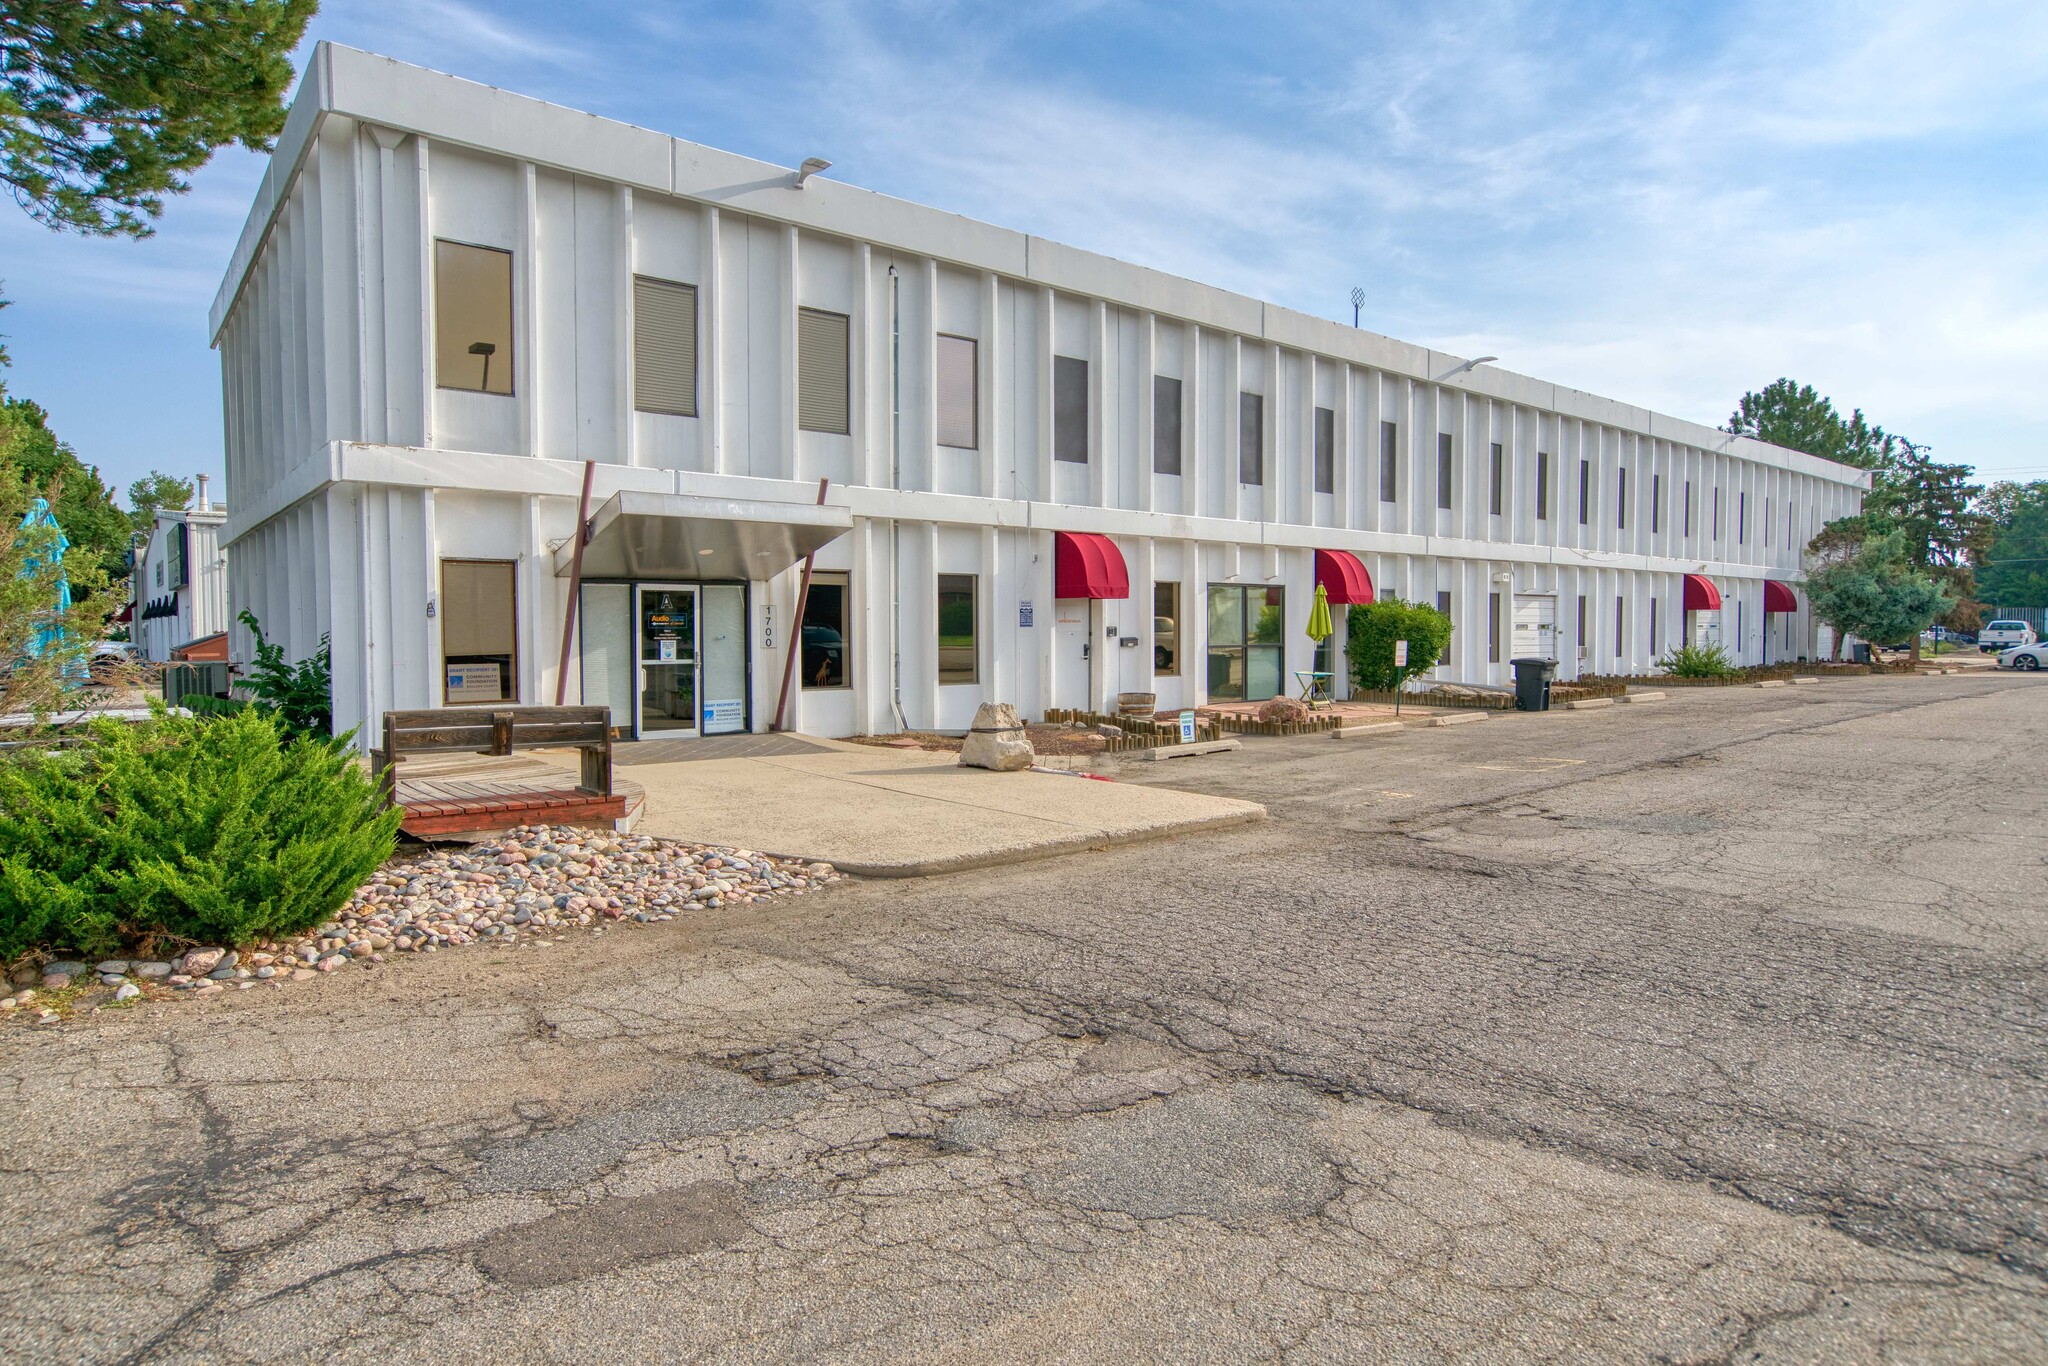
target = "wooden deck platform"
x: 465, y: 794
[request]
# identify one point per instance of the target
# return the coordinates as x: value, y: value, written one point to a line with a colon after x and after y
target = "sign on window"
x: 476, y: 683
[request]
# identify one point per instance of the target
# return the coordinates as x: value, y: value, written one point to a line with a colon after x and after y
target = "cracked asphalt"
x: 1703, y: 1031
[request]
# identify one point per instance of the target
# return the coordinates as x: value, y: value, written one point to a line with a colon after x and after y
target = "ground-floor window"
x: 1443, y: 604
x: 824, y: 632
x: 1165, y: 628
x: 479, y: 631
x: 959, y: 644
x: 1493, y: 628
x: 1245, y: 650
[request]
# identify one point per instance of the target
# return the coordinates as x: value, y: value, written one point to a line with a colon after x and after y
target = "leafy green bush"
x: 1698, y: 661
x: 202, y: 829
x: 1372, y: 630
x: 302, y: 694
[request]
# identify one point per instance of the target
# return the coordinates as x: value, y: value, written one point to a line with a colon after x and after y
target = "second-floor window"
x: 1251, y: 438
x: 1585, y: 490
x: 1621, y: 499
x: 1070, y: 409
x: 824, y: 391
x: 664, y: 347
x: 472, y: 318
x: 1165, y: 425
x: 1443, y: 469
x: 1326, y: 451
x: 1656, y: 503
x: 1543, y: 486
x: 1499, y: 482
x: 959, y: 380
x: 1390, y: 445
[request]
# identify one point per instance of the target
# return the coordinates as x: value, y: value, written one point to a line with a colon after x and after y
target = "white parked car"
x: 2027, y: 657
x: 2004, y: 635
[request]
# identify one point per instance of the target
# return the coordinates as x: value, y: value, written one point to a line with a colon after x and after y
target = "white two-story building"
x: 179, y: 585
x: 1027, y: 473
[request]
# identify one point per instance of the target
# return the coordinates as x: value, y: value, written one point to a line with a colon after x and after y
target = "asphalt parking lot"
x: 1703, y: 1031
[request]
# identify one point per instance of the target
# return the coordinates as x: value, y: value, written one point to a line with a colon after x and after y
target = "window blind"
x: 958, y: 385
x: 664, y: 347
x: 823, y: 394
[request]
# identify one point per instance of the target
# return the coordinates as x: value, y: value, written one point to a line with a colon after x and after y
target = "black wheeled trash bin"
x: 1532, y: 683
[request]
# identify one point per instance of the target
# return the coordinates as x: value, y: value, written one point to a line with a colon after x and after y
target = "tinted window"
x: 1165, y: 425
x: 472, y: 318
x: 1070, y: 409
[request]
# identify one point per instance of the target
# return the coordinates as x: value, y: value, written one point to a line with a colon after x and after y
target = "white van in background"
x: 2004, y: 635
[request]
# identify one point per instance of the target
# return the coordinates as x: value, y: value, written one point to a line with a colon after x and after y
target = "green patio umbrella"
x: 1319, y: 627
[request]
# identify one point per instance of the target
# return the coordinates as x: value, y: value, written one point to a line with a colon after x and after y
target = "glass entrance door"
x: 666, y: 617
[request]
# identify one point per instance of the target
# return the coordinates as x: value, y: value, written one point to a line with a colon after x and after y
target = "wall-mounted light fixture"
x: 810, y: 167
x: 1459, y: 370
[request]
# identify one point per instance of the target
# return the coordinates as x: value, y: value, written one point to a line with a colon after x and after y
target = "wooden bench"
x: 498, y: 731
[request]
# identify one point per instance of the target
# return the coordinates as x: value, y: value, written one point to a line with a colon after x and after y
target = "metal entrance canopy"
x: 687, y: 536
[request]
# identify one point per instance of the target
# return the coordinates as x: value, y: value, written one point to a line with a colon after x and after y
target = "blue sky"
x: 1666, y: 204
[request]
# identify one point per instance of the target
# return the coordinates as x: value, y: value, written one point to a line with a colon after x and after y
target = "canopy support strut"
x: 575, y: 582
x: 793, y: 638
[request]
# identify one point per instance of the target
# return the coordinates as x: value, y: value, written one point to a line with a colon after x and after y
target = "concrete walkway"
x: 900, y: 813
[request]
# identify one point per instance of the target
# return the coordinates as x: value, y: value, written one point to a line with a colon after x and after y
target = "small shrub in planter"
x: 1372, y: 629
x: 198, y: 829
x: 1698, y: 661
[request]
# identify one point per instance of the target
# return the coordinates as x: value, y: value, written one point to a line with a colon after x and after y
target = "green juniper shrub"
x: 1698, y: 661
x: 218, y: 829
x: 1372, y: 629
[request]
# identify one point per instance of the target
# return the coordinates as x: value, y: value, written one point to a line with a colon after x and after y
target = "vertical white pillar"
x: 526, y: 312
x: 1101, y: 452
x: 623, y: 264
x: 1233, y: 424
x: 1194, y: 471
x: 711, y: 402
x: 1141, y: 458
x: 785, y: 464
x: 866, y: 374
x: 991, y: 434
x: 424, y: 382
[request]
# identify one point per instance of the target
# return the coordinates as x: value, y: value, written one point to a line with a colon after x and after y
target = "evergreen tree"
x: 153, y: 491
x: 1799, y: 418
x: 107, y: 107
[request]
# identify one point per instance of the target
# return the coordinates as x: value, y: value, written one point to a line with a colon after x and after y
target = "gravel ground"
x: 527, y: 888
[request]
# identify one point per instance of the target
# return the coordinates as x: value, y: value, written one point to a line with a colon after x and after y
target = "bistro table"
x: 1315, y: 685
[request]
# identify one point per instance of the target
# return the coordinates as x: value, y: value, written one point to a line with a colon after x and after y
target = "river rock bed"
x: 528, y: 887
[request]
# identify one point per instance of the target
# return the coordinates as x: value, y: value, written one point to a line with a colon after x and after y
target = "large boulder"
x: 998, y: 740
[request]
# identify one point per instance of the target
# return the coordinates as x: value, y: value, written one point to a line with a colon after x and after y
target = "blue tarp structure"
x: 50, y: 632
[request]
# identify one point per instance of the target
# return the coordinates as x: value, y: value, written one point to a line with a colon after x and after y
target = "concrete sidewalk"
x: 897, y: 813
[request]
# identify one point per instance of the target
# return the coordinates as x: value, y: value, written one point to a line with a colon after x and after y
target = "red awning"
x: 127, y: 613
x: 1701, y: 595
x: 1345, y: 579
x: 1779, y: 597
x: 1085, y: 565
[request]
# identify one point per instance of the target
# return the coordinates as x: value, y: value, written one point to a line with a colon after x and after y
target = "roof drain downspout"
x: 895, y: 484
